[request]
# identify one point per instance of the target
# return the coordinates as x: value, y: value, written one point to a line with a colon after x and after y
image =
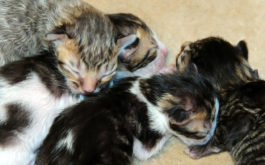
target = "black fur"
x: 224, y: 64
x: 103, y: 126
x: 240, y: 125
x: 242, y: 113
x: 127, y: 23
x: 44, y: 65
x: 17, y: 120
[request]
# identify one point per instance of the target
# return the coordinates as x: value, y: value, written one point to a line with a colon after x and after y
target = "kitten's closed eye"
x: 178, y: 116
x: 107, y: 77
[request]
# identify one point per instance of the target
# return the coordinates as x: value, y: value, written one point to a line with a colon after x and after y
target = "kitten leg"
x: 197, y: 151
x: 143, y: 153
x: 229, y: 131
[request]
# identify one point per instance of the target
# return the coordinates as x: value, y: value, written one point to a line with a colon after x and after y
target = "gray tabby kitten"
x: 29, y: 27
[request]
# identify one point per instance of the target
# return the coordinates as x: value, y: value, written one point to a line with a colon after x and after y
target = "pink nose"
x: 164, y: 51
x: 88, y: 86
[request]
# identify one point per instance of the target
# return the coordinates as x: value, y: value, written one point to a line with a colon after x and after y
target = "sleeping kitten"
x: 241, y: 119
x: 32, y: 91
x: 240, y: 126
x: 146, y: 48
x: 29, y: 27
x: 224, y: 64
x: 146, y: 55
x: 105, y: 130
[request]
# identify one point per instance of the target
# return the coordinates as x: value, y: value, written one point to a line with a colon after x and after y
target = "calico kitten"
x: 105, y: 130
x: 146, y: 48
x: 29, y: 27
x: 32, y: 91
x: 146, y: 55
x: 241, y: 119
x: 218, y: 60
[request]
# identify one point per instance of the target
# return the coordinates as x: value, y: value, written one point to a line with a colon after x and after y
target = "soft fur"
x: 240, y: 123
x: 104, y: 129
x: 83, y: 38
x: 32, y: 92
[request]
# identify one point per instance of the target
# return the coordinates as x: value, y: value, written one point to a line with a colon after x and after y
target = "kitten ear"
x: 127, y: 46
x: 192, y: 68
x: 256, y: 74
x: 242, y: 47
x: 55, y: 37
x: 58, y: 34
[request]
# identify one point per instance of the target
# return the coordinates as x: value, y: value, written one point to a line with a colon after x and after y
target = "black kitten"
x: 218, y: 60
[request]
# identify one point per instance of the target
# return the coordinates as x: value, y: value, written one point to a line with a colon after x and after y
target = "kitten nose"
x: 88, y: 85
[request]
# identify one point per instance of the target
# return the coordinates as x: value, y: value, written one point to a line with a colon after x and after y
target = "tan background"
x: 176, y: 21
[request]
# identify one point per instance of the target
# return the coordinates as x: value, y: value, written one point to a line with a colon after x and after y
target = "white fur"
x: 43, y: 108
x: 142, y: 153
x: 159, y: 121
x: 3, y: 116
x: 66, y: 142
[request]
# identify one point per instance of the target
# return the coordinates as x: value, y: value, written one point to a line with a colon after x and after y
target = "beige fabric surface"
x: 176, y: 21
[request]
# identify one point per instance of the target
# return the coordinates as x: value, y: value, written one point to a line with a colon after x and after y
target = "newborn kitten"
x: 29, y: 27
x: 241, y: 119
x: 240, y: 126
x: 103, y: 129
x: 145, y: 49
x: 224, y: 64
x: 147, y: 55
x: 32, y: 91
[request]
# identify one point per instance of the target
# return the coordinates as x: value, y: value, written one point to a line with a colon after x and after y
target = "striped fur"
x: 240, y: 128
x: 29, y: 27
x: 146, y: 48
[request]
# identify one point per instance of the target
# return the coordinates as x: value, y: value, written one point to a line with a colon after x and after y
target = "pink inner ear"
x: 187, y: 104
x: 126, y: 53
x: 54, y: 37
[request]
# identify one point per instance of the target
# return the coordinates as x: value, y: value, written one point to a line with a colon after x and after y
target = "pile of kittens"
x: 78, y: 87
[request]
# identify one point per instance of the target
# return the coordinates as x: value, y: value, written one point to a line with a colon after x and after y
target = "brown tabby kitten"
x: 242, y: 113
x: 83, y: 38
x: 146, y: 54
x: 224, y: 64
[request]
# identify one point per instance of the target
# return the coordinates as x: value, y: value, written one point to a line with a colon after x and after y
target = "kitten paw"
x: 196, y: 152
